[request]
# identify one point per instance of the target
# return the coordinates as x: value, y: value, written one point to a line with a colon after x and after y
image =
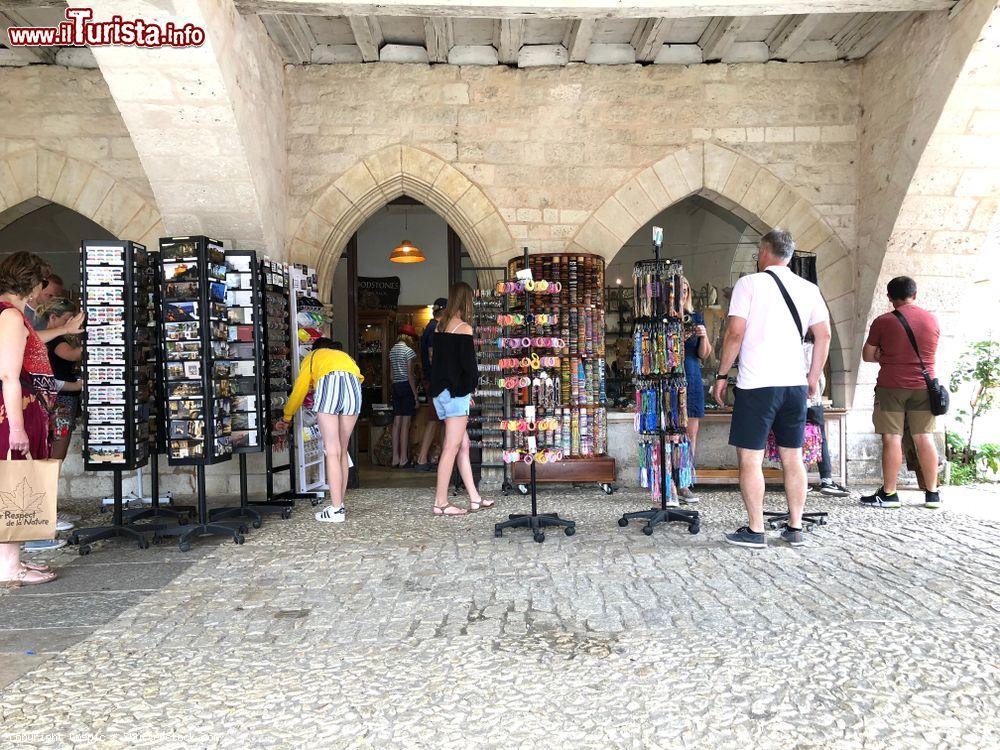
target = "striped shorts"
x: 338, y: 393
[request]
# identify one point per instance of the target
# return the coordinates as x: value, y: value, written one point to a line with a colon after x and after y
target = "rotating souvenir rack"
x: 531, y: 375
x: 197, y: 370
x: 665, y: 460
x: 277, y: 384
x: 306, y: 312
x: 572, y: 318
x: 118, y: 366
x: 485, y: 432
x: 246, y: 371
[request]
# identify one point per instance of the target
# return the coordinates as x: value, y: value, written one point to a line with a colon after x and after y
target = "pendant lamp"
x: 407, y: 252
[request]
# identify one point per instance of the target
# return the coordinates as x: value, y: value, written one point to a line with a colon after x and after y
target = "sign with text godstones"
x: 378, y: 292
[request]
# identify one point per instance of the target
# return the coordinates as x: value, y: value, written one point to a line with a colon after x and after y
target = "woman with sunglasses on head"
x: 27, y: 392
x: 454, y: 377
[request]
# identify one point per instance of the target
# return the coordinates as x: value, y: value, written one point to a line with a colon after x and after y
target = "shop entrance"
x: 378, y: 300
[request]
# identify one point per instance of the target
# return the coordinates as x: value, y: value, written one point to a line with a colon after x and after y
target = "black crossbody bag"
x: 810, y: 417
x: 791, y: 305
x: 939, y: 396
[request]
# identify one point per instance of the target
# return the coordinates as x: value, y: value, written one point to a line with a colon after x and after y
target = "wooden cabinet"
x: 376, y: 334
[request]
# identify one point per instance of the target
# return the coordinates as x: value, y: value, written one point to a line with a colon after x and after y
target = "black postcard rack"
x: 197, y: 370
x: 118, y: 363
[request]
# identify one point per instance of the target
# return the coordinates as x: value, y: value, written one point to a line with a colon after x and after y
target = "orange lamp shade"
x: 407, y: 252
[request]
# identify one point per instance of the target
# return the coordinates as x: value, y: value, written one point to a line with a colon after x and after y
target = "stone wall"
x: 929, y: 185
x: 70, y: 111
x: 548, y: 146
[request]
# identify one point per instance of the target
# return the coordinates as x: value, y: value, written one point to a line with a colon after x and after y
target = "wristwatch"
x: 720, y: 376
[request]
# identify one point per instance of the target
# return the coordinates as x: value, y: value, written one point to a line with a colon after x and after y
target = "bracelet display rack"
x: 118, y: 366
x: 197, y: 370
x: 306, y: 315
x: 665, y: 458
x: 531, y: 374
x: 246, y: 369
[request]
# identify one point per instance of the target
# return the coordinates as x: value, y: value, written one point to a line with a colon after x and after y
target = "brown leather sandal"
x: 449, y: 510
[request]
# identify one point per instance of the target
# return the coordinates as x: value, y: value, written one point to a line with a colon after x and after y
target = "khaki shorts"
x: 894, y: 405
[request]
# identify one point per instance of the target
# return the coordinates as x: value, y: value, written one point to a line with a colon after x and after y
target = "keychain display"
x: 658, y: 371
x: 118, y: 354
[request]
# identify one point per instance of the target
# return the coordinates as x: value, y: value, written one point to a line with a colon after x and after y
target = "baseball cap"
x: 407, y: 330
x: 440, y: 303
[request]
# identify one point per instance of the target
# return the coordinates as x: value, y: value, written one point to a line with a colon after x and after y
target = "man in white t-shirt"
x: 773, y: 382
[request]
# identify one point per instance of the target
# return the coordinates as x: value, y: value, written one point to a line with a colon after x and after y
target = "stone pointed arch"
x: 749, y: 190
x: 382, y: 177
x: 34, y: 177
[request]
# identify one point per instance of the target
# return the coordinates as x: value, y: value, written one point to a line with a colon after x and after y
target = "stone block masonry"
x: 548, y: 146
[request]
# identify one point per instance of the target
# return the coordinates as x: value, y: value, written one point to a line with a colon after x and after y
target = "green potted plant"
x: 979, y: 366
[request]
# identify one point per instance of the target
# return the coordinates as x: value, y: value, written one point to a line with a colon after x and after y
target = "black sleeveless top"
x: 454, y: 366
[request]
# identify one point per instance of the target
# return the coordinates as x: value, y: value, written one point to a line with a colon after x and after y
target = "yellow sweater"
x: 315, y: 365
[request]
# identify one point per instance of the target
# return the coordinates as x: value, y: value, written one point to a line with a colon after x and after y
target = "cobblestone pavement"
x: 402, y: 630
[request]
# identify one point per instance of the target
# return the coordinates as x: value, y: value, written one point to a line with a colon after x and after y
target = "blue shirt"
x: 426, y: 343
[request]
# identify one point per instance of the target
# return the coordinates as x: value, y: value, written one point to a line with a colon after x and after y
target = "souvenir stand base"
x: 655, y: 516
x: 180, y: 513
x: 204, y: 527
x: 811, y: 519
x: 118, y: 528
x: 535, y: 521
x: 244, y: 510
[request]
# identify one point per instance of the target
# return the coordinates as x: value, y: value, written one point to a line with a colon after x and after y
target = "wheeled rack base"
x: 775, y: 519
x: 655, y: 516
x: 537, y: 523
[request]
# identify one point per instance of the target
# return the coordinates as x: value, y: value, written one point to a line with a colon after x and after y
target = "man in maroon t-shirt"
x: 901, y: 398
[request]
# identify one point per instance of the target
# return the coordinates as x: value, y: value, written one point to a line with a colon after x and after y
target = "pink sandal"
x: 23, y: 579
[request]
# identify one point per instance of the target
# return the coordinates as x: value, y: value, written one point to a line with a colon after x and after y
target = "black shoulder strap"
x: 788, y: 301
x: 913, y: 339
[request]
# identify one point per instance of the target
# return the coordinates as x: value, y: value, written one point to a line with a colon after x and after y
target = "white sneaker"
x: 71, y: 517
x: 64, y: 525
x: 329, y: 514
x: 45, y: 545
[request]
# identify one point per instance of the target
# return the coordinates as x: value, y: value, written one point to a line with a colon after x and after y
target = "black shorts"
x: 759, y: 411
x: 403, y: 403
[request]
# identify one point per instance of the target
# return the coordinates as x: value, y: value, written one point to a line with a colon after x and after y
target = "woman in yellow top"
x: 337, y: 403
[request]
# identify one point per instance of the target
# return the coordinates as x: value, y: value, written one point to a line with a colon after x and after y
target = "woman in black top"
x: 65, y: 353
x: 454, y: 377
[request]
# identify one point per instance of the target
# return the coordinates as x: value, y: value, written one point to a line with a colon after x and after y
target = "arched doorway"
x: 734, y: 182
x: 53, y: 232
x: 375, y: 298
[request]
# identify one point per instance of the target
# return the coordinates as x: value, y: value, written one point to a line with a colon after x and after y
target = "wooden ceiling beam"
x: 719, y: 36
x: 789, y: 35
x: 439, y: 38
x: 10, y: 18
x: 292, y: 36
x: 650, y: 35
x: 523, y: 9
x: 579, y: 37
x: 868, y: 34
x: 367, y: 35
x: 511, y: 39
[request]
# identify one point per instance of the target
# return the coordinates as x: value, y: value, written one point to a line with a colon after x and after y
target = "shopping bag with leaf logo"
x: 28, y: 499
